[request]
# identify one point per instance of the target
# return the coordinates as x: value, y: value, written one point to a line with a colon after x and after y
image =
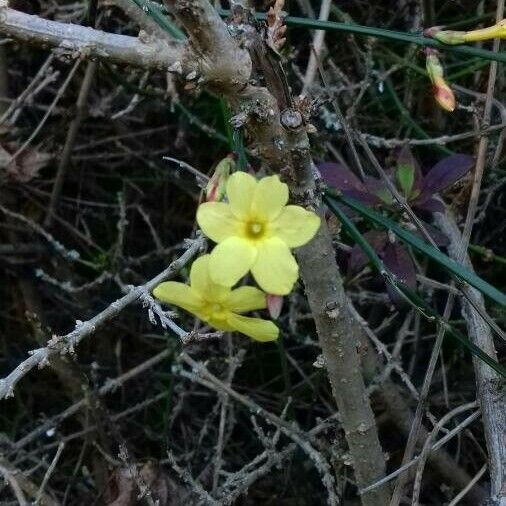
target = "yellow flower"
x: 497, y: 31
x: 256, y: 230
x: 218, y: 305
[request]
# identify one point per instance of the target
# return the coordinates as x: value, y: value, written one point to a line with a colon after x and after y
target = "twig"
x: 14, y: 484
x: 318, y: 42
x: 401, y: 470
x: 145, y: 492
x: 443, y: 139
x: 28, y: 90
x: 49, y: 472
x: 234, y: 363
x: 422, y: 458
x: 71, y: 255
x: 185, y: 475
x: 42, y: 122
x: 67, y: 343
x: 93, y: 43
x: 490, y: 387
x: 469, y: 486
x: 70, y: 140
x: 204, y: 377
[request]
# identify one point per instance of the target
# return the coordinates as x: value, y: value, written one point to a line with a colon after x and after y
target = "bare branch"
x: 222, y: 62
x: 67, y: 343
x: 85, y: 41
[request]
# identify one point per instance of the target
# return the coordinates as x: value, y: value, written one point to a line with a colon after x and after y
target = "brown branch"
x: 339, y: 333
x: 282, y: 142
x: 18, y: 481
x: 91, y: 43
x: 223, y: 64
x: 280, y: 139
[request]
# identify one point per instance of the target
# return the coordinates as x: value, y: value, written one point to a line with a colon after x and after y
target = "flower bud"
x: 443, y: 94
x: 450, y: 37
x: 216, y: 187
x: 274, y: 305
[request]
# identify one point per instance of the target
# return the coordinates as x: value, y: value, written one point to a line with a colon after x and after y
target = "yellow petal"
x: 256, y: 328
x: 497, y: 31
x: 179, y: 294
x: 240, y: 190
x: 199, y: 274
x: 217, y: 221
x: 270, y: 196
x: 296, y: 226
x: 201, y: 282
x: 220, y: 324
x: 245, y: 298
x: 275, y: 269
x: 231, y: 260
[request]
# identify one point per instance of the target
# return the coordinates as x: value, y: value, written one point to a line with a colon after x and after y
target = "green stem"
x: 382, y: 33
x: 157, y: 12
x: 487, y: 254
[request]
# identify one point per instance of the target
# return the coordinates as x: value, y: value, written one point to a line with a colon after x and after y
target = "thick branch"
x: 92, y: 43
x: 338, y: 332
x: 491, y: 389
x: 223, y: 64
x: 139, y: 17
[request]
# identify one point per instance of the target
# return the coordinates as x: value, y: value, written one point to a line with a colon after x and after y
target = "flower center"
x: 254, y: 229
x: 216, y: 308
x: 216, y: 311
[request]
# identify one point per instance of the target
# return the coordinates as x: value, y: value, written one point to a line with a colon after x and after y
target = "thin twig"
x: 49, y: 472
x: 469, y: 486
x: 422, y: 458
x: 67, y: 343
x: 42, y: 122
x: 70, y: 140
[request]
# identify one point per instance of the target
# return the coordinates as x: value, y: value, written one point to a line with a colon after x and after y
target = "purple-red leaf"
x: 377, y: 188
x: 363, y: 197
x: 339, y: 177
x: 431, y: 204
x: 437, y: 236
x: 398, y: 261
x: 358, y: 259
x: 446, y: 172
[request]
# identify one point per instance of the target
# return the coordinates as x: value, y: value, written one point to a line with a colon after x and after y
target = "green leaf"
x: 405, y: 175
x: 412, y: 297
x: 447, y: 263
